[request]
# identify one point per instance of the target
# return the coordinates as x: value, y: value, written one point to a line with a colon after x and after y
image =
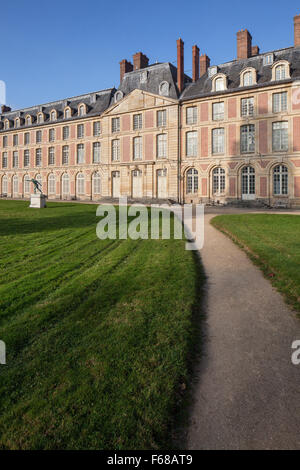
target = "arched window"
x: 164, y: 88
x: 65, y: 184
x: 248, y: 181
x: 67, y: 113
x: 218, y: 180
x: 96, y: 183
x: 192, y: 181
x: 247, y: 79
x: 81, y: 110
x: 17, y: 122
x: 219, y: 84
x: 28, y: 120
x: 51, y: 184
x: 26, y: 184
x: 280, y: 72
x: 53, y: 115
x: 118, y: 96
x: 40, y: 118
x: 280, y: 180
x: 4, y: 185
x: 80, y: 184
x: 15, y: 182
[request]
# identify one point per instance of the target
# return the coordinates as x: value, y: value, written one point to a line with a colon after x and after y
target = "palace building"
x: 230, y: 132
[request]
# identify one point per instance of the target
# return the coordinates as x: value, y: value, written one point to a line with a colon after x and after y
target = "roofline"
x: 52, y: 103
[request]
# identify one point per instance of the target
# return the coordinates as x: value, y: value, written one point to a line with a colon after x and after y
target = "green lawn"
x: 273, y: 242
x: 98, y: 333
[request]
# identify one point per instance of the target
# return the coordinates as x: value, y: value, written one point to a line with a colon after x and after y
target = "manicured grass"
x: 273, y: 242
x: 98, y: 333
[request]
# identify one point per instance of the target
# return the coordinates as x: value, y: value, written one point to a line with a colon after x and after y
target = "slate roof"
x: 203, y: 86
x: 96, y: 103
x: 149, y: 79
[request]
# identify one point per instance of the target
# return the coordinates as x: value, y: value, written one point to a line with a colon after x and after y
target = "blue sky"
x: 56, y: 49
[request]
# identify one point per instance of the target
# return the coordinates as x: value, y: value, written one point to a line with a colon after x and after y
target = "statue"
x: 37, y: 185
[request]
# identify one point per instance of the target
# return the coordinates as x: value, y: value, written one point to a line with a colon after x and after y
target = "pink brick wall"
x: 149, y: 146
x: 232, y: 108
x: 72, y: 154
x: 73, y: 131
x: 88, y: 153
x: 58, y: 133
x: 263, y: 136
x: 44, y: 156
x: 149, y: 119
x: 32, y: 158
x: 204, y: 142
x: 232, y: 139
x: 263, y: 186
x: 126, y: 122
x: 232, y: 185
x: 297, y: 186
x: 88, y: 129
x: 203, y: 111
x: 126, y: 149
x: 204, y: 186
x: 296, y: 134
x: 45, y: 135
x: 296, y: 98
x: 263, y: 103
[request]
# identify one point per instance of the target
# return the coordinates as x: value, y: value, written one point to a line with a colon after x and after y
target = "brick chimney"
x: 244, y: 44
x: 5, y: 109
x: 254, y: 51
x: 125, y: 67
x: 195, y: 63
x: 140, y: 61
x: 204, y: 64
x: 297, y: 30
x: 180, y: 64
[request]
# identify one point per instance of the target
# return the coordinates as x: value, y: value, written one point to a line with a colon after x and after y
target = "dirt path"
x: 248, y: 391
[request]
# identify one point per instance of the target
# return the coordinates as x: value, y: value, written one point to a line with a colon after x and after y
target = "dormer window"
x: 6, y: 124
x: 28, y: 120
x: 248, y: 77
x: 164, y: 89
x: 81, y: 110
x: 268, y: 59
x: 17, y: 122
x: 212, y: 71
x: 220, y: 82
x: 281, y: 70
x: 67, y: 113
x: 53, y: 115
x: 118, y: 96
x: 40, y: 118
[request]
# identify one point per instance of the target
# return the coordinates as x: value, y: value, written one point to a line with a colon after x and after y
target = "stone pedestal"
x: 38, y: 201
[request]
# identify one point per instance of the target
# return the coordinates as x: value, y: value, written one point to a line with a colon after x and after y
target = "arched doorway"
x: 248, y: 183
x: 137, y: 184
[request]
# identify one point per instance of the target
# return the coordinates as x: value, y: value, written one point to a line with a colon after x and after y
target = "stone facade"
x: 231, y: 132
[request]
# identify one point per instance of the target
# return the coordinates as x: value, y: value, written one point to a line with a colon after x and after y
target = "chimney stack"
x: 140, y: 61
x: 5, y: 109
x: 297, y: 30
x: 125, y: 67
x: 244, y: 44
x: 180, y: 64
x: 195, y: 63
x: 255, y: 51
x: 204, y: 64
